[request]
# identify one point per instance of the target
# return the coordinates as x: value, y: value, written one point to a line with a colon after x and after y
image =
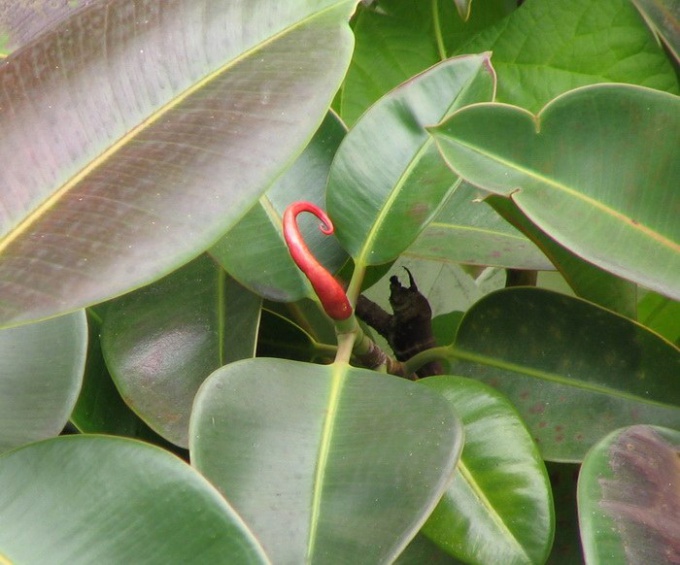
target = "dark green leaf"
x: 161, y: 342
x: 575, y: 371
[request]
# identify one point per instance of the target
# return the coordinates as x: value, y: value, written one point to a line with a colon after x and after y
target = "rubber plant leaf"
x: 135, y: 134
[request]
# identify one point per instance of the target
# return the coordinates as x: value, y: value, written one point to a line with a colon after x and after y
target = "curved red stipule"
x: 332, y: 296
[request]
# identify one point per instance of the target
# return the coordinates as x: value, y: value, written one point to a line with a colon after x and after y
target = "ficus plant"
x: 474, y: 360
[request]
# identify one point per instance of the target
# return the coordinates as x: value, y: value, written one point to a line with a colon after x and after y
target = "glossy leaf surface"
x: 254, y: 251
x: 41, y: 371
x: 629, y: 497
x: 387, y: 180
x: 597, y: 168
x: 575, y: 371
x: 499, y: 507
x: 546, y: 48
x: 100, y: 409
x: 324, y: 463
x: 466, y: 230
x: 135, y: 134
x: 161, y: 342
x: 95, y: 499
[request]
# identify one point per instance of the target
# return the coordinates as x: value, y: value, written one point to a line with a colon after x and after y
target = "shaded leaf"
x: 466, y: 230
x: 663, y: 18
x: 575, y: 371
x: 547, y: 48
x: 587, y: 280
x: 567, y: 545
x: 597, y: 169
x: 499, y: 507
x: 161, y: 342
x: 629, y: 497
x: 661, y: 314
x: 254, y: 251
x: 41, y: 371
x: 89, y: 499
x: 387, y: 180
x: 99, y: 408
x: 314, y: 458
x: 135, y: 134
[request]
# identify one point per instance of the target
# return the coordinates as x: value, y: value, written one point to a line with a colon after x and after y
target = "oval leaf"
x: 136, y: 134
x: 558, y: 167
x: 560, y: 360
x: 41, y: 371
x: 313, y: 457
x: 161, y: 342
x: 112, y: 500
x: 499, y: 507
x: 387, y: 181
x: 629, y: 497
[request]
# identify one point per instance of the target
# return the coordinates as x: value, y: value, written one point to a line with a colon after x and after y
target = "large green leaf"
x: 90, y: 499
x: 254, y: 251
x: 575, y: 371
x: 596, y: 169
x: 499, y: 507
x: 387, y: 180
x: 133, y: 135
x: 161, y: 342
x: 41, y: 370
x: 629, y: 498
x: 466, y: 230
x: 326, y: 464
x: 546, y: 48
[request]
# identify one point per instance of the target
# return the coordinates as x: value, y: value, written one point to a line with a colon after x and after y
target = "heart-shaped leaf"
x: 162, y: 342
x: 560, y: 360
x: 558, y: 167
x: 89, y: 499
x: 134, y: 135
x: 629, y: 497
x: 499, y: 507
x: 387, y: 180
x: 549, y: 47
x: 254, y: 251
x: 41, y: 370
x: 314, y: 457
